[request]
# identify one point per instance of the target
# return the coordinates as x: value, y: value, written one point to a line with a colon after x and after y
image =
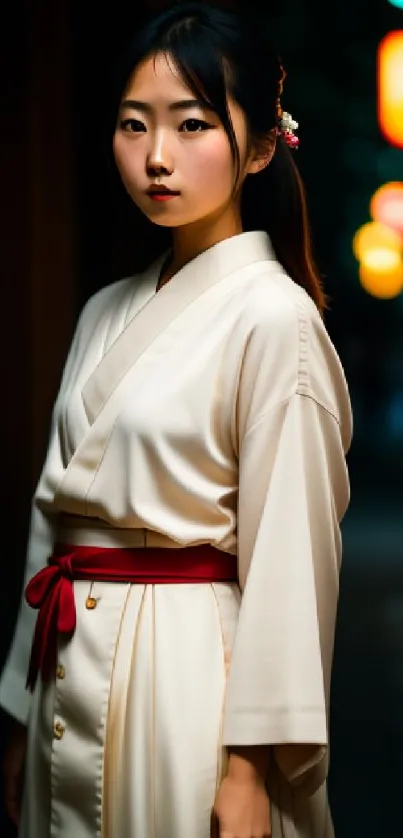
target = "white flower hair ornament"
x: 287, y: 127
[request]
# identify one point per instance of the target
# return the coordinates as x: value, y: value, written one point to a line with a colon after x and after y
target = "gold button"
x: 90, y: 603
x: 58, y: 730
x: 60, y: 671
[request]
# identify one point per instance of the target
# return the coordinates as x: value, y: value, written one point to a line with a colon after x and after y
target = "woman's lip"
x: 162, y: 196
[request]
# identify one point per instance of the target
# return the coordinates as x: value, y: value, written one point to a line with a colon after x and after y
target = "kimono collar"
x: 190, y: 282
x: 222, y: 258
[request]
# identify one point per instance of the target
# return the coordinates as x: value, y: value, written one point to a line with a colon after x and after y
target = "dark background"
x: 63, y: 235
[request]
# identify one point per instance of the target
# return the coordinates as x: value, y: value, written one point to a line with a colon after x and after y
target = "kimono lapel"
x: 235, y: 261
x: 162, y: 308
x: 146, y: 286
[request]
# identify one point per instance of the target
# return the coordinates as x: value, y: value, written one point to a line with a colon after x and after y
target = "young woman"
x: 185, y: 543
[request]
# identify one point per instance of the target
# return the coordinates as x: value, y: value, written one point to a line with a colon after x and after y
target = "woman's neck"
x: 188, y: 242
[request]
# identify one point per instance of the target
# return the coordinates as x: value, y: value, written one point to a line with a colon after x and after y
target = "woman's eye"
x: 134, y: 126
x: 191, y: 126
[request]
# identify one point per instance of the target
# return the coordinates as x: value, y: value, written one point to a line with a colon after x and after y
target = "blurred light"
x: 381, y: 259
x: 375, y: 236
x: 390, y: 87
x: 382, y: 283
x: 397, y: 3
x: 387, y: 205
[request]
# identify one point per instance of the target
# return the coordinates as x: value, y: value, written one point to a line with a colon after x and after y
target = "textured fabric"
x: 215, y: 411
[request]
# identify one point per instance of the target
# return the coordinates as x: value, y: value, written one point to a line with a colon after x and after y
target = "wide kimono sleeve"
x: 14, y: 697
x: 293, y: 492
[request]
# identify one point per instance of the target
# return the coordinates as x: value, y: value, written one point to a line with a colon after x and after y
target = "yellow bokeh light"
x: 384, y: 284
x: 390, y: 87
x: 372, y: 236
x: 386, y: 206
x: 381, y: 259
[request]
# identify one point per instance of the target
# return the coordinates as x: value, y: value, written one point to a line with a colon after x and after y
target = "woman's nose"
x: 159, y: 160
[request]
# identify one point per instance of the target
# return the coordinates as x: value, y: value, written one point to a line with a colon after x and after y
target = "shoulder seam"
x: 304, y: 387
x: 303, y: 359
x: 307, y: 394
x: 285, y: 402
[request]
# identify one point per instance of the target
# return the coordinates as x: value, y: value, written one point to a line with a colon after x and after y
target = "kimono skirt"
x: 131, y: 646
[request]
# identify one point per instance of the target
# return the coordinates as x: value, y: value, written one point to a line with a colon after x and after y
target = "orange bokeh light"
x: 382, y: 283
x: 390, y: 87
x: 386, y: 206
x: 375, y: 236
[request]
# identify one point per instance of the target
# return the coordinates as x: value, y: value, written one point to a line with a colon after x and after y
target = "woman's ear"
x: 262, y: 153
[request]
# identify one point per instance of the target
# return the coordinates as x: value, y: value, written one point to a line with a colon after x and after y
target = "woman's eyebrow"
x: 180, y: 105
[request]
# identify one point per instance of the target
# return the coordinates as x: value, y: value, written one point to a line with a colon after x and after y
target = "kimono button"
x: 58, y: 730
x: 60, y: 671
x: 90, y: 603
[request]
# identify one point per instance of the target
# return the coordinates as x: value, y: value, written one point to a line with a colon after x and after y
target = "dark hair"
x: 219, y: 52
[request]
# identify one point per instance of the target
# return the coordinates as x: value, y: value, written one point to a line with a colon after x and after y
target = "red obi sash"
x: 51, y: 590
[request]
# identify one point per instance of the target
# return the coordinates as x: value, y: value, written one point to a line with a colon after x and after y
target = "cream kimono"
x: 213, y: 411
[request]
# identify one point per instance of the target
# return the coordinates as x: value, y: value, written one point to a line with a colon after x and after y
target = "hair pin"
x: 287, y: 128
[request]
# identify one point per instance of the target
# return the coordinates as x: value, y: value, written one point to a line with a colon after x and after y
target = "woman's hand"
x: 13, y: 768
x: 242, y: 809
x: 242, y: 806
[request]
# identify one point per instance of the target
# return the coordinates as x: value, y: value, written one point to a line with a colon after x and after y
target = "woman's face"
x: 166, y: 139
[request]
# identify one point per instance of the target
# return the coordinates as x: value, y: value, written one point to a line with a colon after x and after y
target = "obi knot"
x: 51, y: 592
